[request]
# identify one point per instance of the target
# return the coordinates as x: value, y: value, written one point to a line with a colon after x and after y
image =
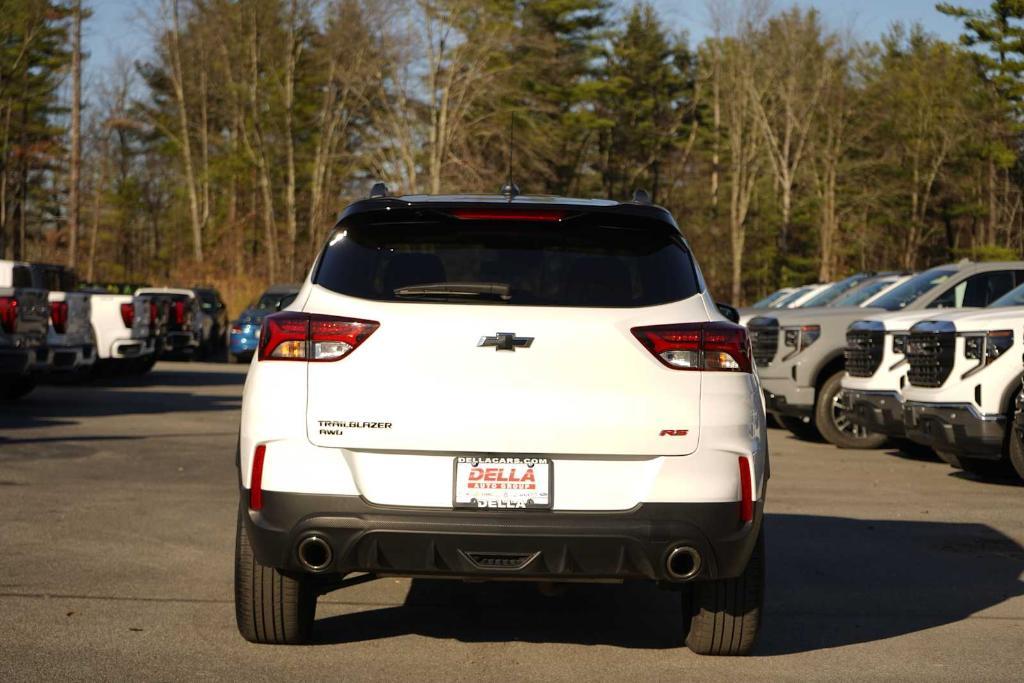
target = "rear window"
x: 509, y: 263
x: 21, y: 277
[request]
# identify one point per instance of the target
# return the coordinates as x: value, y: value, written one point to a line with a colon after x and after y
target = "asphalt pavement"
x: 117, y: 514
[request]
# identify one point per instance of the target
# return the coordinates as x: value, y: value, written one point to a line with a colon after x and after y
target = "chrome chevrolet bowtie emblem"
x: 505, y: 341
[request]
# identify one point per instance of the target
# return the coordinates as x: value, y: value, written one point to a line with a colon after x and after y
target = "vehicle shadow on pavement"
x: 61, y: 406
x: 832, y: 581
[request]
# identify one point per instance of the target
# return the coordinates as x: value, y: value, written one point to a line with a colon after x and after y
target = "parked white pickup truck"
x: 23, y: 321
x: 125, y: 326
x: 964, y: 378
x: 69, y: 335
x: 186, y: 322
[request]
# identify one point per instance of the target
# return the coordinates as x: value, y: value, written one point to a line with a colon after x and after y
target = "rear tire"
x: 832, y: 419
x: 1016, y: 451
x: 724, y: 616
x: 270, y: 607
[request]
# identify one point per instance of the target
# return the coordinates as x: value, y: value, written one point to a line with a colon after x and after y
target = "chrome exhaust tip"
x: 683, y: 563
x: 314, y: 553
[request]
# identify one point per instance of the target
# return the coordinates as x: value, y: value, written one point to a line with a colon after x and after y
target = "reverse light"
x: 256, y: 480
x: 290, y: 335
x: 799, y: 338
x: 9, y: 314
x: 713, y: 346
x: 986, y: 347
x: 59, y: 316
x: 128, y: 314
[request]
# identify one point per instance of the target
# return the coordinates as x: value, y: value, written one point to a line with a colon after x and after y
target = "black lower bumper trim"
x: 880, y: 412
x: 555, y: 545
x: 955, y: 429
x: 778, y: 405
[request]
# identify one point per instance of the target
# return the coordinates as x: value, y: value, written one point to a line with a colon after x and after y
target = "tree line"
x: 789, y: 151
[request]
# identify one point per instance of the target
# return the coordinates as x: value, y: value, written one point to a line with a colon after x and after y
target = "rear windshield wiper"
x: 483, y: 290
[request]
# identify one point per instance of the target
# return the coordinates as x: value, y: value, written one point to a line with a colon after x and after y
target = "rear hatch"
x: 510, y: 336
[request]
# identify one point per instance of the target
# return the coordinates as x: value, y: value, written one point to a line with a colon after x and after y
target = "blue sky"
x: 115, y: 27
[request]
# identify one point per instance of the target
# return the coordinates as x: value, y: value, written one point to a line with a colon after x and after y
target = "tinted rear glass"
x: 21, y: 277
x: 528, y: 264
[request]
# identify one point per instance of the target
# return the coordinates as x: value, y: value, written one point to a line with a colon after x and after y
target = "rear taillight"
x: 154, y: 313
x: 256, y: 481
x: 698, y: 346
x: 59, y: 316
x: 9, y: 314
x: 311, y: 337
x: 128, y: 314
x: 179, y: 312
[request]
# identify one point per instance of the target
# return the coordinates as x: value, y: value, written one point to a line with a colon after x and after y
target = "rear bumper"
x: 956, y: 428
x: 131, y: 348
x: 880, y: 412
x: 179, y: 341
x: 71, y: 358
x: 560, y: 546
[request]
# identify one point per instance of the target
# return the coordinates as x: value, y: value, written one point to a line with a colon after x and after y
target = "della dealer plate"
x: 503, y: 483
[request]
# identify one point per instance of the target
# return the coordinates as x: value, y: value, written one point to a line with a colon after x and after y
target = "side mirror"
x: 729, y: 312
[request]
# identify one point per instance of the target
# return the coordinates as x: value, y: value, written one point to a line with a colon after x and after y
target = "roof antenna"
x: 510, y: 189
x: 378, y: 190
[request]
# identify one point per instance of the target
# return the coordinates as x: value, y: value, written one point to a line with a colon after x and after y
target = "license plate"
x: 501, y: 483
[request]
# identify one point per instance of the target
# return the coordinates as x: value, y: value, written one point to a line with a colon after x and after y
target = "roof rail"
x: 378, y: 190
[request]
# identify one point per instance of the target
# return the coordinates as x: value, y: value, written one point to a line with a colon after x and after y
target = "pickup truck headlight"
x: 988, y: 346
x: 899, y: 344
x: 799, y: 338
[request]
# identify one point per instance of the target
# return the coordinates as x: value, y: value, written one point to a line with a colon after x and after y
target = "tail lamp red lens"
x: 128, y: 314
x: 746, y: 491
x: 9, y: 314
x: 711, y: 346
x: 256, y: 480
x: 509, y: 215
x: 59, y: 316
x: 154, y: 313
x: 179, y: 312
x: 290, y: 335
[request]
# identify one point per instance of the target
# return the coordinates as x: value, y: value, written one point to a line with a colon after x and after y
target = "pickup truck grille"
x: 764, y: 339
x: 864, y: 352
x: 930, y: 355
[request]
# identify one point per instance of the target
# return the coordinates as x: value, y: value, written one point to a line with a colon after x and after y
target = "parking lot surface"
x: 117, y: 513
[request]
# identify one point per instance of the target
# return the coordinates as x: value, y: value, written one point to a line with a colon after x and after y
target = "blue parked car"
x: 245, y: 332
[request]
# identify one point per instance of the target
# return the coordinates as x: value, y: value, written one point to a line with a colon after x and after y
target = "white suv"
x: 497, y: 387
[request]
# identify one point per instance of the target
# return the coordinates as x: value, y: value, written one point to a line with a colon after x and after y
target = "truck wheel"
x: 951, y: 459
x: 804, y: 431
x: 1016, y: 452
x: 270, y: 607
x: 17, y: 387
x: 725, y: 615
x: 831, y: 415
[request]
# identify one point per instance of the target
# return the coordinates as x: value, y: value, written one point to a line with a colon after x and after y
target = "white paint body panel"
x: 586, y: 394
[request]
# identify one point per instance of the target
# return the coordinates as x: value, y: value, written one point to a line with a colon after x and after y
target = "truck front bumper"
x: 880, y: 412
x: 955, y: 428
x: 784, y: 397
x: 538, y: 545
